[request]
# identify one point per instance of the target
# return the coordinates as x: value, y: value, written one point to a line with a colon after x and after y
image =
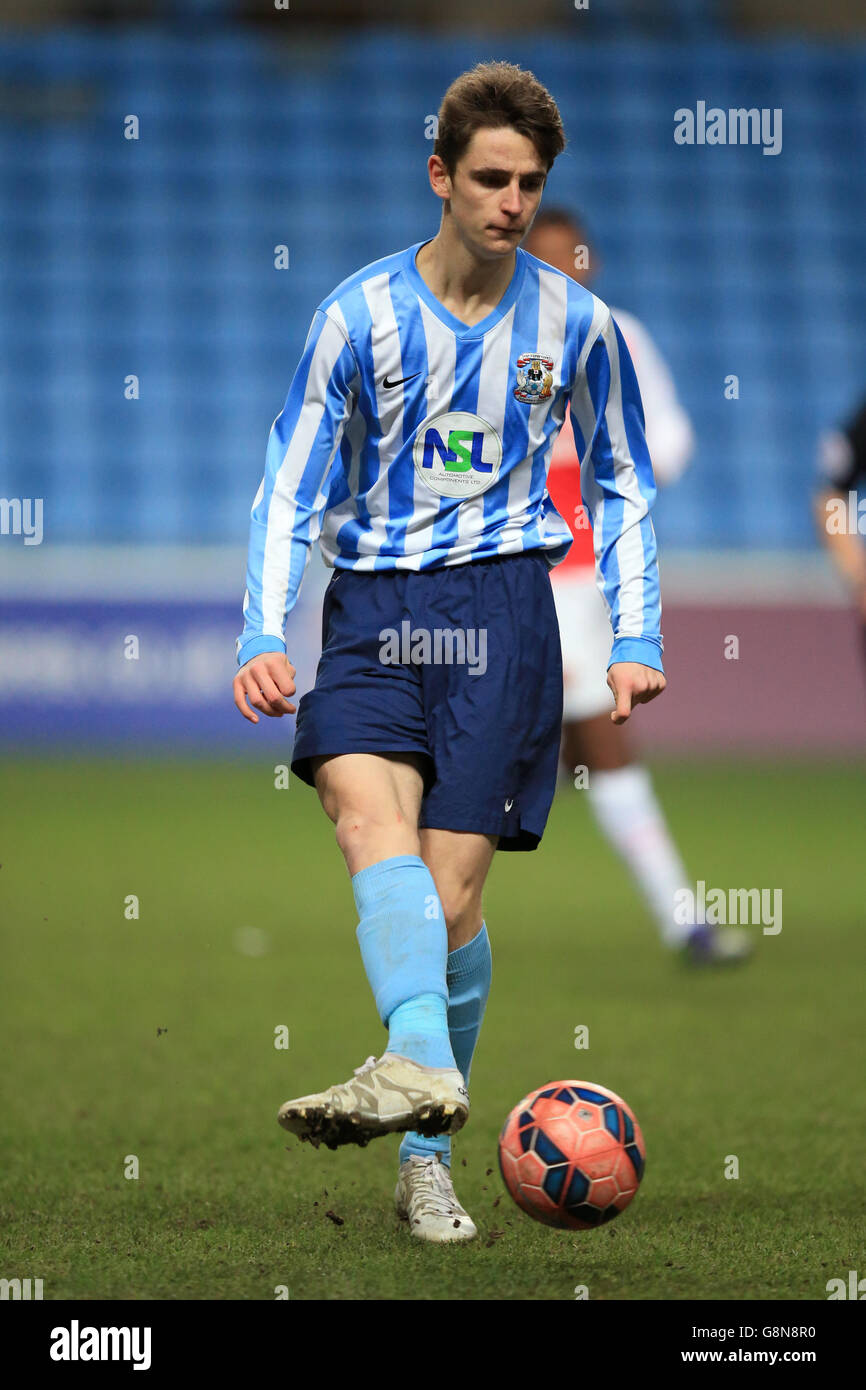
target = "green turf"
x: 765, y: 1063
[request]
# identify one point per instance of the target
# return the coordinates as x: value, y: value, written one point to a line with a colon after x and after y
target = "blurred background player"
x: 842, y: 468
x: 618, y: 786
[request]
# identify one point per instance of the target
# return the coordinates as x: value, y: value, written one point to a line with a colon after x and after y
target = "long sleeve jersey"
x: 411, y: 440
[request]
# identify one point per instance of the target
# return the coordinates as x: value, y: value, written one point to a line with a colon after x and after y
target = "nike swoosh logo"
x: 509, y: 803
x: 388, y: 384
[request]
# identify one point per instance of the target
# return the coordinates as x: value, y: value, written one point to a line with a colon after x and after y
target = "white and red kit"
x: 584, y: 624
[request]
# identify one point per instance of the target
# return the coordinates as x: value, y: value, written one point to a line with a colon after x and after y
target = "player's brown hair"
x: 492, y: 95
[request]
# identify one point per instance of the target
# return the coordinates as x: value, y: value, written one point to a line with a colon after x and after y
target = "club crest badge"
x: 534, y: 378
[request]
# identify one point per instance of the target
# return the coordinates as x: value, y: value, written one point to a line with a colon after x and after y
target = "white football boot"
x: 388, y: 1095
x: 714, y: 945
x: 425, y: 1197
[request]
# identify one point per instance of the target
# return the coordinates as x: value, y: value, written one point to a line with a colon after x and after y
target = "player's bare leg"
x: 373, y: 801
x: 459, y: 863
x: 596, y: 743
x: 625, y: 807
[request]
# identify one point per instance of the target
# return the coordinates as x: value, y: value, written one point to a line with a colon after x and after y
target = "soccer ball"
x: 572, y: 1154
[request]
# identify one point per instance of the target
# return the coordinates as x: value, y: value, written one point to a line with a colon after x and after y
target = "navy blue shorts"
x: 461, y: 665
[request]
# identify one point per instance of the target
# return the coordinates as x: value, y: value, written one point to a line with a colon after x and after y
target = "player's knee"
x: 366, y: 838
x: 461, y: 904
x: 353, y: 830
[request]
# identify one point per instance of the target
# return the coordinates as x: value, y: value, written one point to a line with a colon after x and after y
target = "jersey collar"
x: 457, y: 326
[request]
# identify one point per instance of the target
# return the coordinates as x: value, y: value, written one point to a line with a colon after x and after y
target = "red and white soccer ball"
x: 572, y: 1154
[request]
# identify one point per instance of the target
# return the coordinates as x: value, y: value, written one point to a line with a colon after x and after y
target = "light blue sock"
x: 404, y: 947
x: 419, y: 1029
x: 468, y: 977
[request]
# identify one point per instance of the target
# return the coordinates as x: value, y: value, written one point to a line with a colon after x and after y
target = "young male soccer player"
x: 619, y: 788
x: 414, y: 443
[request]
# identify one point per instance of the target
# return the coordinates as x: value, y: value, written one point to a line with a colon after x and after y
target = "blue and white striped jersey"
x: 409, y: 440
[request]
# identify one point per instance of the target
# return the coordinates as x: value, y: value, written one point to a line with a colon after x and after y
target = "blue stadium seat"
x: 155, y: 257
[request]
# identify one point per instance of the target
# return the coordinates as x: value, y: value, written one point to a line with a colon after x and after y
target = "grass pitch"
x: 153, y: 1038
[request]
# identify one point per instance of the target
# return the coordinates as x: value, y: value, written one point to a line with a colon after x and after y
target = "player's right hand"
x: 265, y: 681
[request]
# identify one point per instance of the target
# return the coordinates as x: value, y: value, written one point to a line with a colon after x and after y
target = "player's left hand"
x: 632, y: 684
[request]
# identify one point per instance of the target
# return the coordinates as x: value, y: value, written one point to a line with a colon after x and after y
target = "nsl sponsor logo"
x: 457, y: 454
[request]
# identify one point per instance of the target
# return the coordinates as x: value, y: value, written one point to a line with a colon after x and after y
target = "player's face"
x: 559, y: 247
x: 495, y: 191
